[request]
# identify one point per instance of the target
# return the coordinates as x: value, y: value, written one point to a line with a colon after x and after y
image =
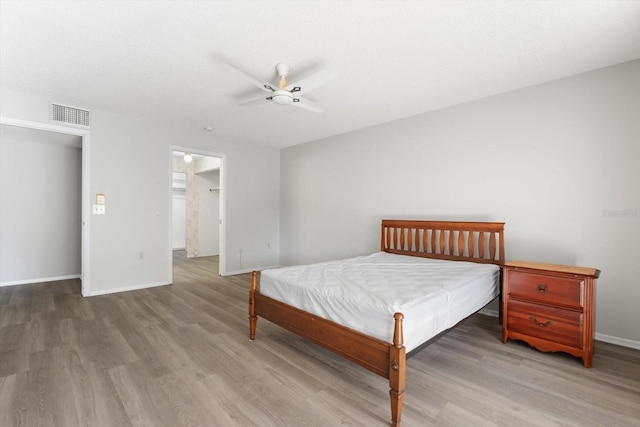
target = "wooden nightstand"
x: 550, y: 306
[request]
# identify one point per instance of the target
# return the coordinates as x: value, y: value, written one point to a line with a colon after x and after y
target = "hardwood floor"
x: 180, y: 355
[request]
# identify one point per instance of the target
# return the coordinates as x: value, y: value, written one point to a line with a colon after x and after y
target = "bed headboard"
x: 453, y: 240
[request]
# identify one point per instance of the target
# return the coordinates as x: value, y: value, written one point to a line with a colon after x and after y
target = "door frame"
x: 222, y: 268
x: 85, y: 135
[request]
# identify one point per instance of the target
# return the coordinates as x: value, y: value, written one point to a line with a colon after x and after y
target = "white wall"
x: 130, y: 161
x: 40, y: 211
x: 550, y: 160
x: 204, y: 164
x: 208, y: 213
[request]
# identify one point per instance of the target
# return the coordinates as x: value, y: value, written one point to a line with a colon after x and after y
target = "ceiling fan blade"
x: 313, y: 81
x: 267, y: 87
x: 308, y: 105
x: 254, y: 101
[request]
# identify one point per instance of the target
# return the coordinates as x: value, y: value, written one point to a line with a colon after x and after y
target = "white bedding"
x: 364, y: 292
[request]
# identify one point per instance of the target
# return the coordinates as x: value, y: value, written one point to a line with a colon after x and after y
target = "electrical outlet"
x: 140, y: 256
x: 99, y: 209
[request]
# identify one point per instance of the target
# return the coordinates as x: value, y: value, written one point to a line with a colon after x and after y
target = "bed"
x: 295, y: 298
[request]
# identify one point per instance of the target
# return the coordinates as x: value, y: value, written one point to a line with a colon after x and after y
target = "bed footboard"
x: 377, y: 356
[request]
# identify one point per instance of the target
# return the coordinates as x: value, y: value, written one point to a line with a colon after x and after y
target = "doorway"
x: 68, y: 214
x: 197, y: 205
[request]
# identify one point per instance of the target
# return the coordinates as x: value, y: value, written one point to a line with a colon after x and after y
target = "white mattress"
x: 364, y: 292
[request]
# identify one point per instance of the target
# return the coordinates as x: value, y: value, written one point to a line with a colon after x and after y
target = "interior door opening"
x: 57, y: 156
x: 197, y: 205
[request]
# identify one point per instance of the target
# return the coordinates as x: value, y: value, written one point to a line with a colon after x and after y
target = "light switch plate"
x: 99, y: 209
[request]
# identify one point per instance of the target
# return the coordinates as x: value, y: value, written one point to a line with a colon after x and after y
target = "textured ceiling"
x: 393, y: 59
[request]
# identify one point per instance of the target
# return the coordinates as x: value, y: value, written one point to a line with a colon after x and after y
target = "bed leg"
x: 253, y: 319
x: 397, y: 371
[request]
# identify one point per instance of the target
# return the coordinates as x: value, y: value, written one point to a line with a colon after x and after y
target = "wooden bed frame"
x: 481, y: 242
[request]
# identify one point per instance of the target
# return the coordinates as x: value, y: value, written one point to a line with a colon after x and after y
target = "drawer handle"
x: 542, y: 288
x: 540, y: 324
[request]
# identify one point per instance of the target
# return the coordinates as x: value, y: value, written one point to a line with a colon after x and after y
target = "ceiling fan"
x: 284, y: 92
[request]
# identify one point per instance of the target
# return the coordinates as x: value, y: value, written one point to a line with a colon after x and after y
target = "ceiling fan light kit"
x: 282, y: 97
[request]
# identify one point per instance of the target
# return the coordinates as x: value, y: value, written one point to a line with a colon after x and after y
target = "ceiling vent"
x: 71, y: 115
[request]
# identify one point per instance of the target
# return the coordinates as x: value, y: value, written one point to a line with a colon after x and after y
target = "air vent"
x: 72, y: 115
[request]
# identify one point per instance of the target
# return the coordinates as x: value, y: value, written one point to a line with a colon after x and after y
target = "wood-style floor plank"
x: 180, y: 355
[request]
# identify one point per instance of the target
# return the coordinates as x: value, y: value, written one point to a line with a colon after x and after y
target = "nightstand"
x: 549, y: 306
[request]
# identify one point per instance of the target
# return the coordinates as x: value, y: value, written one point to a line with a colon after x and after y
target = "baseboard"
x: 489, y: 312
x: 125, y: 289
x: 235, y: 273
x: 40, y: 280
x: 618, y: 341
x: 599, y: 337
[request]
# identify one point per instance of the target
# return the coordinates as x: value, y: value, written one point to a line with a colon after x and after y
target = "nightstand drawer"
x: 547, y: 289
x: 549, y: 323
